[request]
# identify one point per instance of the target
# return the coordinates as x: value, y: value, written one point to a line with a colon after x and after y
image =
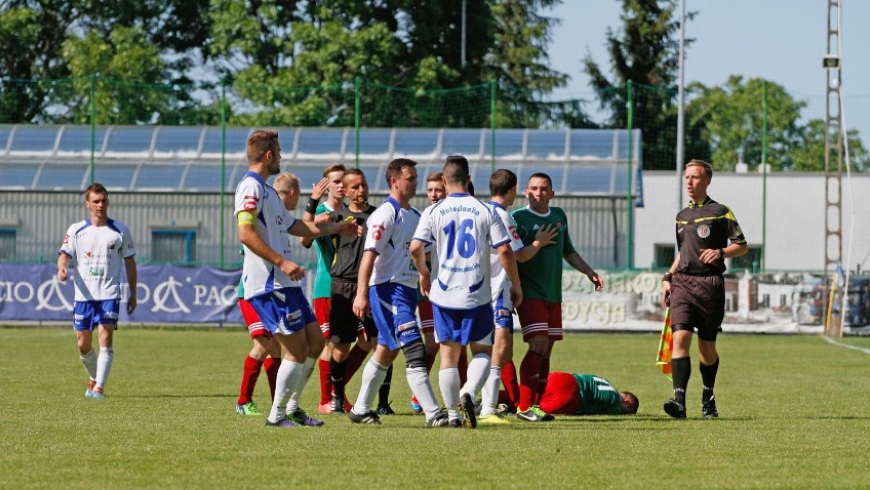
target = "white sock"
x: 489, y: 393
x: 478, y: 372
x: 372, y: 378
x: 308, y: 368
x: 90, y: 362
x: 288, y: 377
x: 448, y: 378
x: 104, y: 365
x: 418, y: 380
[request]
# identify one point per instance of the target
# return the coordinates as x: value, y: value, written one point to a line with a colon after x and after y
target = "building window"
x: 751, y: 261
x: 7, y: 243
x: 175, y: 246
x: 664, y: 256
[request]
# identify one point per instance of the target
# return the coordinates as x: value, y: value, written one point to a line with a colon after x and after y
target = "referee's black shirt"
x: 705, y: 225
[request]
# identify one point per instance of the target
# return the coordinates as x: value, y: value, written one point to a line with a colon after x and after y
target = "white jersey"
x: 463, y: 230
x: 389, y: 231
x: 500, y: 279
x: 271, y: 224
x: 99, y: 253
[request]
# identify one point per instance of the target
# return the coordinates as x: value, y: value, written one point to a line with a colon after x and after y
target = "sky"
x: 782, y: 41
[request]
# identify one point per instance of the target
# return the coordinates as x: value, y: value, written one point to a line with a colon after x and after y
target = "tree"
x: 809, y: 156
x: 646, y: 53
x: 731, y: 117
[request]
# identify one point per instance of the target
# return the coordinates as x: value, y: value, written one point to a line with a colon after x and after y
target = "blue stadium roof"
x: 170, y: 158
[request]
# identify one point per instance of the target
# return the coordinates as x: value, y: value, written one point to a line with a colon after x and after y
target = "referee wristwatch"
x: 667, y: 277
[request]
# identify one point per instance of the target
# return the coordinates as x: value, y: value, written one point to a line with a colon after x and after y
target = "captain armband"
x: 246, y: 218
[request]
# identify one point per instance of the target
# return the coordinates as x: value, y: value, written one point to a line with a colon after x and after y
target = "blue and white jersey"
x: 99, y: 253
x: 500, y: 279
x: 389, y: 231
x: 463, y: 230
x: 271, y: 224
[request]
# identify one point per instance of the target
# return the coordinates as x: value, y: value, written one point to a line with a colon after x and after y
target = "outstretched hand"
x: 320, y: 188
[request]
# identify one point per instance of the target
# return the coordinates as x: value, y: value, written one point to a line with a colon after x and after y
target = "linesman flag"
x: 666, y: 346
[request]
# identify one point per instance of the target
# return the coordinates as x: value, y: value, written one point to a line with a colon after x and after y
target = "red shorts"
x: 540, y: 318
x: 252, y: 320
x: 424, y: 309
x: 322, y: 307
x: 562, y: 395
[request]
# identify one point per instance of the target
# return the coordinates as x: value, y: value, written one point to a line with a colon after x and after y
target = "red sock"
x: 271, y: 365
x: 430, y: 359
x: 530, y: 371
x: 542, y: 381
x: 250, y: 373
x: 325, y: 382
x: 463, y: 366
x: 509, y: 380
x: 354, y: 360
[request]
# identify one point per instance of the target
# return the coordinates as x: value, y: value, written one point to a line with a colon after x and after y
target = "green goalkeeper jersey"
x: 541, y: 276
x: 325, y: 254
x: 597, y: 396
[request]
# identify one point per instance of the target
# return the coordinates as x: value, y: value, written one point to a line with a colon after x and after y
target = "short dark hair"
x: 633, y: 404
x: 394, y: 169
x: 354, y: 171
x: 259, y: 142
x: 455, y: 172
x: 95, y: 188
x: 434, y: 177
x: 501, y: 182
x: 541, y: 175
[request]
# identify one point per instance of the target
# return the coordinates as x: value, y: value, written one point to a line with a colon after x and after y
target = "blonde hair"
x: 335, y: 167
x: 708, y: 169
x: 287, y: 179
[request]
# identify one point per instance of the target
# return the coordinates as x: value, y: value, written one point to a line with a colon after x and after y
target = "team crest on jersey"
x: 559, y: 225
x: 377, y: 231
x: 703, y: 231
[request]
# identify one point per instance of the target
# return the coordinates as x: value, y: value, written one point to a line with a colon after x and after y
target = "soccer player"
x: 386, y: 287
x: 266, y: 351
x: 585, y: 394
x: 463, y: 230
x: 333, y: 186
x: 272, y: 281
x: 541, y: 273
x: 103, y: 249
x: 503, y: 189
x: 695, y: 287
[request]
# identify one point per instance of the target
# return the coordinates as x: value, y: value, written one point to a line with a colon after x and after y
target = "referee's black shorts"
x: 344, y: 326
x: 698, y: 302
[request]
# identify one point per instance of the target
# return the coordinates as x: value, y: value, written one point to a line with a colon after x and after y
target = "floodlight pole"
x: 463, y: 31
x: 681, y: 119
x: 833, y: 148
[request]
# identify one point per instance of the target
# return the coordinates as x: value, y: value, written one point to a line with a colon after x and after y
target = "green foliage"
x: 646, y: 53
x: 810, y: 154
x: 732, y: 119
x: 168, y: 422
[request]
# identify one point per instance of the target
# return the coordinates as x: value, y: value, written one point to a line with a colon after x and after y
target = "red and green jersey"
x: 597, y: 396
x: 325, y: 254
x: 541, y: 276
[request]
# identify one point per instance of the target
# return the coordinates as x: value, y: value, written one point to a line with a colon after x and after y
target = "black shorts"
x: 698, y: 302
x: 344, y: 325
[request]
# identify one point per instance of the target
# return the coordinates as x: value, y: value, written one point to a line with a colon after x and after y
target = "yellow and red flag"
x: 666, y: 346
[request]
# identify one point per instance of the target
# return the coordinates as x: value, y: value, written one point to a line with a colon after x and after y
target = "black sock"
x: 708, y: 375
x: 384, y: 392
x: 681, y: 370
x: 337, y: 370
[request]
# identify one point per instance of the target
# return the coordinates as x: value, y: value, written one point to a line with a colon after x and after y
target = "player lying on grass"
x: 582, y: 394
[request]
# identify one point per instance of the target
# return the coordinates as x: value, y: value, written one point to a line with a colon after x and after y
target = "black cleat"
x: 439, y: 420
x: 455, y: 424
x: 337, y: 405
x: 708, y: 409
x: 370, y: 418
x: 466, y: 403
x: 675, y: 409
x: 385, y: 410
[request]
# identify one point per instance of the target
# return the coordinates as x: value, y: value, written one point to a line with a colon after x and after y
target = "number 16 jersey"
x: 464, y: 230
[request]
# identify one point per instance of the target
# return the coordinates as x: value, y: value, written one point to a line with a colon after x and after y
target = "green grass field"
x: 794, y: 414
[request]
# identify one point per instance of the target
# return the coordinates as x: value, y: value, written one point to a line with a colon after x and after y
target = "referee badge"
x: 703, y: 231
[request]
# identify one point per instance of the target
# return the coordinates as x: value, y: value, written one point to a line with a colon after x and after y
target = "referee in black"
x: 695, y: 287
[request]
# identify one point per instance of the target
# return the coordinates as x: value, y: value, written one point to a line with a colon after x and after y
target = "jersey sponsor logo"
x: 88, y: 254
x: 250, y: 203
x: 703, y: 231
